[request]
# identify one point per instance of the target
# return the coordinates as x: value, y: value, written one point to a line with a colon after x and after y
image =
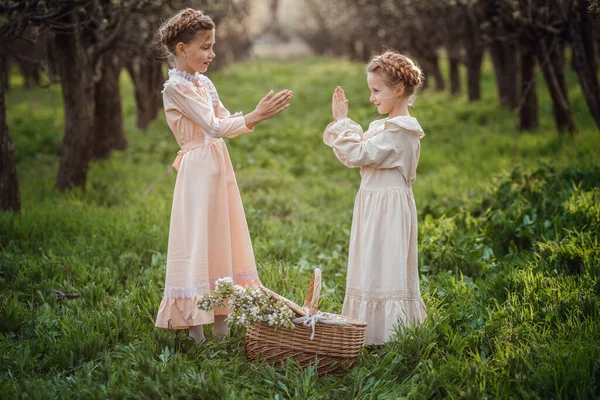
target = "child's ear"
x: 399, y: 90
x: 180, y: 48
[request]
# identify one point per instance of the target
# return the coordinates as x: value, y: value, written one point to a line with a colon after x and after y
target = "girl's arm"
x: 337, y: 128
x: 384, y: 150
x: 268, y: 107
x: 394, y: 147
x: 179, y: 96
x: 341, y: 124
x: 271, y: 105
x: 224, y: 112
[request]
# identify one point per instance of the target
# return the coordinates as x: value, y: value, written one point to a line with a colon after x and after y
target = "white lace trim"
x: 245, y: 276
x: 183, y: 74
x: 199, y: 291
x: 192, y: 81
x: 192, y: 291
x: 383, y: 295
x: 176, y: 75
x: 214, y: 130
x: 210, y: 87
x: 334, y: 129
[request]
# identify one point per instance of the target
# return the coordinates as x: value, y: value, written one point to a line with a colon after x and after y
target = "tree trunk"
x: 148, y: 79
x: 454, y: 76
x: 551, y: 58
x: 504, y: 58
x: 528, y: 109
x: 440, y: 85
x: 431, y: 68
x: 76, y: 74
x: 275, y: 25
x: 474, y: 54
x: 108, y: 130
x: 427, y: 73
x: 585, y: 59
x: 9, y: 185
x: 28, y: 55
x: 454, y: 45
x: 474, y: 59
x: 30, y: 72
x: 5, y: 82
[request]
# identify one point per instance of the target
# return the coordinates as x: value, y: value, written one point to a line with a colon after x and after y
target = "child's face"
x: 384, y: 97
x: 199, y: 51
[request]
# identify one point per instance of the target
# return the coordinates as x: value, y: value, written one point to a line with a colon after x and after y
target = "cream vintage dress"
x: 208, y: 235
x: 382, y: 286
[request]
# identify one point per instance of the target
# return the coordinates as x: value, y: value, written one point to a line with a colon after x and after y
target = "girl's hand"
x: 268, y: 107
x: 273, y: 104
x: 339, y: 104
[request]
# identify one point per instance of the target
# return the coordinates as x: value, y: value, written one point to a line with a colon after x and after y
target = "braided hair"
x: 182, y: 27
x: 397, y: 69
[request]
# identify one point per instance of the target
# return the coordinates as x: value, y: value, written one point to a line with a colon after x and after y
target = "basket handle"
x: 314, y: 290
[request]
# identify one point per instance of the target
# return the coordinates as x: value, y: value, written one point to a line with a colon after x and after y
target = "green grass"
x: 509, y: 253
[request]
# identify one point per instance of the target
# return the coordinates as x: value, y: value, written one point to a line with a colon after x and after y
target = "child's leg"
x: 221, y: 328
x: 197, y: 333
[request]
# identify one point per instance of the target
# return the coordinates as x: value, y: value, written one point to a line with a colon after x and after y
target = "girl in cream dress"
x: 382, y: 285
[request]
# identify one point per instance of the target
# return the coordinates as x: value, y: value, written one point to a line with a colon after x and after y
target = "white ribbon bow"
x: 312, y: 321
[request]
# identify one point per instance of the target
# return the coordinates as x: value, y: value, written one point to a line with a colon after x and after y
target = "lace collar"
x: 193, y: 81
x: 185, y: 75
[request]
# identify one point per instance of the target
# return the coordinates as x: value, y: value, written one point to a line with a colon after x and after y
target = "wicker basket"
x: 335, y: 347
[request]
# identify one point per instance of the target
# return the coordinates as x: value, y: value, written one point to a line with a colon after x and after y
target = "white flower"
x: 247, y: 306
x: 238, y: 290
x: 224, y: 281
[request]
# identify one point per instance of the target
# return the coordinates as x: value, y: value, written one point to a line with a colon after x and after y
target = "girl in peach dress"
x: 208, y: 236
x: 382, y: 286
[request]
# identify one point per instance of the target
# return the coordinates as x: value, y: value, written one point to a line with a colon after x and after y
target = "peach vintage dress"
x: 382, y: 286
x: 208, y: 236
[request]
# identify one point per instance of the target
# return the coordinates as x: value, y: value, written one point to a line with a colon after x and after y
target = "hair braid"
x: 182, y: 27
x: 397, y: 69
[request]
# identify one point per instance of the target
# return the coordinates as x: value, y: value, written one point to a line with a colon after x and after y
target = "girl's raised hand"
x: 273, y: 104
x: 339, y: 104
x: 270, y: 105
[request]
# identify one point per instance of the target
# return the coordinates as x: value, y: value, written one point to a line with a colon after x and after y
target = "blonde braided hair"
x: 182, y: 27
x: 397, y: 69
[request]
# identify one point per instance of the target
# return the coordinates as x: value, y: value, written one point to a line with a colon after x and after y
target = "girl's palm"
x: 339, y: 104
x: 272, y: 104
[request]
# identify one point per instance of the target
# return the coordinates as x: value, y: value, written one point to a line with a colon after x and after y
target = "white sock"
x: 221, y: 327
x: 197, y: 333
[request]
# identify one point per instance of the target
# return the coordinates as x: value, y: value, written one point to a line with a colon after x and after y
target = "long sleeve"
x: 393, y: 147
x: 180, y: 97
x: 224, y: 112
x: 344, y: 126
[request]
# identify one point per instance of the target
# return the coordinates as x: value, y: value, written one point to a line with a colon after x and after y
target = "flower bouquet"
x: 247, y: 306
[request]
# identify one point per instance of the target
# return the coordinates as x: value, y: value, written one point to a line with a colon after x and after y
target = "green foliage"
x: 509, y: 253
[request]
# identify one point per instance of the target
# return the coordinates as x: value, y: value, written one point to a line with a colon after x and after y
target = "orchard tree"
x: 89, y: 42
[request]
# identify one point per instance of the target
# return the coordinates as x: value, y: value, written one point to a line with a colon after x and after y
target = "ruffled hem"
x: 181, y: 311
x: 385, y: 316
